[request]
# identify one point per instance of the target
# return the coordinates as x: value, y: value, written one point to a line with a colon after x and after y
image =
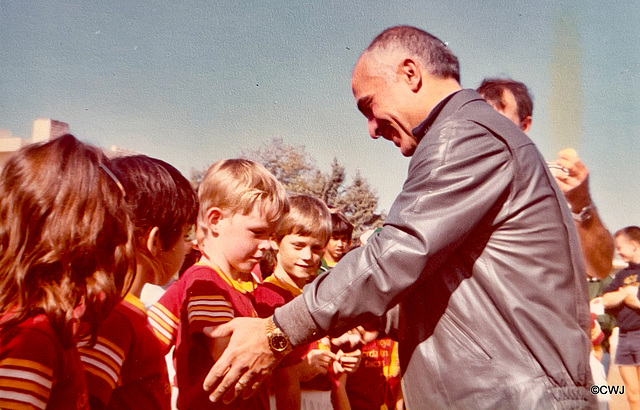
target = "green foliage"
x: 293, y: 167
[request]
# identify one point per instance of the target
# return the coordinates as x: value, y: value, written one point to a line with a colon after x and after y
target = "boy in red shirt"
x: 126, y: 367
x: 301, y: 237
x: 241, y: 204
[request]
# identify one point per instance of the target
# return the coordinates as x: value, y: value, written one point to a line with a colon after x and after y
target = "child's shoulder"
x: 34, y: 339
x: 268, y: 290
x: 195, y: 273
x: 37, y: 326
x: 269, y: 296
x: 198, y: 271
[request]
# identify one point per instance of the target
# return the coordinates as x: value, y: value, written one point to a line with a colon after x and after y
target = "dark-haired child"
x: 126, y: 367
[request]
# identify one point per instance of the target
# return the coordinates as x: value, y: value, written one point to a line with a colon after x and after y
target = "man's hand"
x: 574, y: 183
x: 244, y: 364
x: 348, y: 341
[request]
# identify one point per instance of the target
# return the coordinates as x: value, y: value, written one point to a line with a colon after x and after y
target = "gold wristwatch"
x: 278, y: 341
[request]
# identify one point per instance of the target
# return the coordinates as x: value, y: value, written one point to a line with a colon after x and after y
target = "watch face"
x: 278, y: 342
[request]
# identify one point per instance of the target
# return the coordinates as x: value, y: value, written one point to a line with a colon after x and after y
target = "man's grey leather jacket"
x: 480, y: 255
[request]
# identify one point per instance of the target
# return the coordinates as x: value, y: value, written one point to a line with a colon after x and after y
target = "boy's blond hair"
x: 237, y: 186
x: 307, y: 216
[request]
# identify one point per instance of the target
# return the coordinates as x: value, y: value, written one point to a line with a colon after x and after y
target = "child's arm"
x: 216, y: 346
x: 345, y: 364
x: 103, y: 362
x: 164, y: 316
x: 29, y: 367
x: 339, y: 397
x: 632, y: 301
x: 616, y: 298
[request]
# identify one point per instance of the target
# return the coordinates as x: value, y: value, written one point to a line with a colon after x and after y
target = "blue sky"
x: 194, y: 81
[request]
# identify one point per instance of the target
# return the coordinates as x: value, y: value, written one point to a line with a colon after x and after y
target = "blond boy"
x: 241, y: 204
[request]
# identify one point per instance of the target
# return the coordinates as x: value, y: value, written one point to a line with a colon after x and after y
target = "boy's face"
x: 626, y: 248
x: 244, y: 238
x: 337, y: 247
x: 173, y: 258
x: 299, y: 256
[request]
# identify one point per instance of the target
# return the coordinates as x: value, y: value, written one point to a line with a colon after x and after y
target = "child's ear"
x: 273, y: 243
x: 153, y: 241
x: 214, y: 215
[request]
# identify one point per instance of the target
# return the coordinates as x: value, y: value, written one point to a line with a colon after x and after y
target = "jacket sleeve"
x: 459, y: 178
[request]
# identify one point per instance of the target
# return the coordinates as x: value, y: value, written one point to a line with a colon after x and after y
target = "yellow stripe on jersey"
x: 163, y: 322
x: 101, y: 375
x: 109, y: 369
x: 211, y: 308
x: 26, y: 385
x: 13, y: 405
x: 27, y: 364
x: 19, y: 400
x: 112, y: 348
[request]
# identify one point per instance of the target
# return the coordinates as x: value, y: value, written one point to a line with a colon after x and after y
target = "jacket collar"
x: 445, y: 108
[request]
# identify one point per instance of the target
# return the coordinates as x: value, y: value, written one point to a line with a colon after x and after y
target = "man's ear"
x: 411, y: 74
x: 525, y: 124
x: 154, y: 245
x: 214, y: 215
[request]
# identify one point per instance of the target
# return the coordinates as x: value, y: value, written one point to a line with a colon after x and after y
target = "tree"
x: 293, y: 167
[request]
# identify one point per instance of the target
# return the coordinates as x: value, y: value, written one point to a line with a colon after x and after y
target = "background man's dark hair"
x: 492, y: 90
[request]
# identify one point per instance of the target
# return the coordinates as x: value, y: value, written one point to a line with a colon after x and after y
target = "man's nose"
x: 373, y: 129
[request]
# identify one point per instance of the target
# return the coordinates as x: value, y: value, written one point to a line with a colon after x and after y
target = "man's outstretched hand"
x: 244, y: 364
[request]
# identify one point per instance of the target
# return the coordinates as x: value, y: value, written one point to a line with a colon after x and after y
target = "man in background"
x: 512, y: 99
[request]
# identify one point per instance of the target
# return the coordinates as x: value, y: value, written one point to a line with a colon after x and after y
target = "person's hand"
x: 318, y: 361
x: 631, y: 300
x: 574, y: 183
x: 347, y: 362
x: 244, y: 364
x: 630, y: 290
x: 348, y: 341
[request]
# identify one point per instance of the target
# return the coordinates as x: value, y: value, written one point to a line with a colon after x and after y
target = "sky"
x: 194, y: 81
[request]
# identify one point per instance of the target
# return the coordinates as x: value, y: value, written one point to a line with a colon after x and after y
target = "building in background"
x: 44, y: 129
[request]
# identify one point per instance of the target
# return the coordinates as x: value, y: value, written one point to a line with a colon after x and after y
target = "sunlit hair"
x: 492, y: 90
x: 238, y: 186
x: 432, y: 53
x: 340, y: 226
x: 632, y: 233
x: 158, y: 195
x: 65, y: 237
x: 307, y: 216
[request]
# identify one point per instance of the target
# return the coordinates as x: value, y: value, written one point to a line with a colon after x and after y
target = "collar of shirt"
x: 294, y: 290
x: 424, y: 126
x: 239, y: 285
x: 135, y: 301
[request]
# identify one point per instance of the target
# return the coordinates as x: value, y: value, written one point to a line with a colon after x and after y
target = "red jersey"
x: 36, y: 371
x: 126, y: 367
x: 376, y: 383
x: 202, y: 297
x: 271, y: 294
